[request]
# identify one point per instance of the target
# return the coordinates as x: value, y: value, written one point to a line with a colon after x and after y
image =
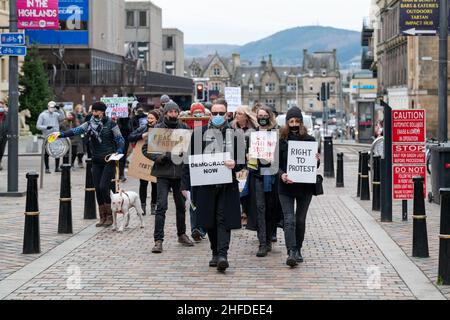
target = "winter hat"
x: 164, y: 99
x: 155, y: 113
x: 197, y: 107
x: 51, y: 104
x: 171, y: 106
x: 99, y: 106
x: 294, y: 112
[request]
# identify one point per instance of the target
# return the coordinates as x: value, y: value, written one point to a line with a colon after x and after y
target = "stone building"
x: 407, y: 66
x: 280, y: 87
x: 173, y: 52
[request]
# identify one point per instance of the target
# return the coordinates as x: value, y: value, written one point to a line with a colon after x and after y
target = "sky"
x: 242, y: 21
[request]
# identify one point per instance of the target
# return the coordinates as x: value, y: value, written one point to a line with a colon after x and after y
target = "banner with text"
x: 263, y: 145
x: 140, y: 166
x: 302, y: 161
x: 37, y: 14
x: 233, y: 97
x: 116, y: 107
x: 209, y: 169
x: 175, y: 141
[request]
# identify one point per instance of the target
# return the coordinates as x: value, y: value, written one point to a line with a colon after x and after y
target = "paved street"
x: 346, y: 255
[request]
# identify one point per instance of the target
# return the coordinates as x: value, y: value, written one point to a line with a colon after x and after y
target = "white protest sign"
x: 209, y: 169
x: 233, y: 97
x: 302, y: 161
x: 263, y: 145
x: 116, y: 107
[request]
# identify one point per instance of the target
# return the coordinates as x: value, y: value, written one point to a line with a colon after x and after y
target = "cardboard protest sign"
x: 175, y: 141
x: 302, y: 162
x: 263, y: 145
x: 140, y: 166
x: 116, y: 107
x: 233, y: 97
x: 209, y: 169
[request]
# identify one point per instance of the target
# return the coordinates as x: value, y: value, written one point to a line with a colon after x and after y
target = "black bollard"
x: 420, y: 236
x: 340, y: 171
x: 365, y: 188
x: 65, y: 202
x: 329, y: 159
x: 31, y: 238
x: 90, y: 208
x: 405, y: 210
x: 444, y: 239
x: 359, y: 175
x: 376, y: 184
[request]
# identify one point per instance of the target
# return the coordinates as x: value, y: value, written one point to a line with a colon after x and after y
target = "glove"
x: 49, y: 128
x: 162, y: 158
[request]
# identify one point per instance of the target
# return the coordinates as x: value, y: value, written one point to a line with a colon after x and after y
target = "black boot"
x: 213, y: 262
x: 222, y: 264
x: 291, y: 261
x: 298, y: 256
x: 153, y: 209
x: 144, y: 208
x: 262, y: 252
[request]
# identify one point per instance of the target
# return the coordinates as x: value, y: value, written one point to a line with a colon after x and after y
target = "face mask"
x: 295, y: 129
x: 263, y: 121
x: 218, y: 121
x: 97, y: 118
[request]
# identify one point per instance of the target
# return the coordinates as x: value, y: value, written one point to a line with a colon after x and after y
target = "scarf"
x: 95, y: 128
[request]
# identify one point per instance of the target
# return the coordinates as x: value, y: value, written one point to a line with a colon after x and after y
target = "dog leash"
x: 116, y: 180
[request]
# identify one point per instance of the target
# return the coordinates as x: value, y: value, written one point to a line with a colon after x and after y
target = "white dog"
x: 121, y: 203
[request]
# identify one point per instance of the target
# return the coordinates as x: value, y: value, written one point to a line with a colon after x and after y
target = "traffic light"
x: 328, y: 91
x: 318, y: 96
x: 200, y: 92
x: 323, y: 92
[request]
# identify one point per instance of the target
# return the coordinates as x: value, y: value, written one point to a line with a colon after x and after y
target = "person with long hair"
x: 290, y: 193
x: 264, y: 208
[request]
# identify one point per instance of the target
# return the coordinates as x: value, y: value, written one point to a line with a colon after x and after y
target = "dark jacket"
x: 202, y: 197
x: 136, y: 135
x: 296, y: 188
x: 125, y: 127
x: 163, y: 166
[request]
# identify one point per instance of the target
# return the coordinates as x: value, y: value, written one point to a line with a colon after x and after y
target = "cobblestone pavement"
x: 340, y: 257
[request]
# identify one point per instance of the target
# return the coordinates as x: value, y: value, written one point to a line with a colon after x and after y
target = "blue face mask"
x: 218, y: 120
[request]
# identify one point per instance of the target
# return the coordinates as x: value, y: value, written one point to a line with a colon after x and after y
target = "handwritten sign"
x: 263, y: 145
x: 140, y: 166
x: 233, y: 97
x: 209, y: 169
x: 175, y: 141
x: 302, y: 162
x: 116, y: 107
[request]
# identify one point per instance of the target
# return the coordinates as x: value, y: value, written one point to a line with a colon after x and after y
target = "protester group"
x: 267, y: 197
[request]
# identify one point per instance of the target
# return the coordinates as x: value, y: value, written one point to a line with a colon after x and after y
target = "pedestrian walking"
x: 48, y: 122
x: 217, y: 206
x: 168, y: 176
x: 80, y: 115
x: 105, y: 139
x: 264, y: 209
x: 141, y: 133
x: 294, y: 194
x: 3, y: 130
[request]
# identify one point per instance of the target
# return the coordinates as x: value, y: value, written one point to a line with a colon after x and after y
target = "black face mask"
x: 295, y: 129
x: 263, y: 121
x: 171, y: 122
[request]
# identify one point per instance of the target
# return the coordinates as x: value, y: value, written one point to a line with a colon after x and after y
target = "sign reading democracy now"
x: 209, y: 169
x: 302, y: 161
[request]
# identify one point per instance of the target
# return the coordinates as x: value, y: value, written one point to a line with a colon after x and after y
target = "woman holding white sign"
x: 290, y: 192
x: 264, y: 209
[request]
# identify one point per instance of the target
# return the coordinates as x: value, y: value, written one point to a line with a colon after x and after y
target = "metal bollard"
x: 90, y: 208
x: 444, y: 239
x: 365, y: 188
x: 376, y: 184
x: 65, y: 202
x: 340, y: 171
x: 31, y: 239
x: 329, y: 159
x: 420, y: 236
x: 359, y: 174
x: 405, y: 210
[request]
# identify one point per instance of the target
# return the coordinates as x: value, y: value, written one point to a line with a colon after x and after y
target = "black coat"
x: 203, y: 196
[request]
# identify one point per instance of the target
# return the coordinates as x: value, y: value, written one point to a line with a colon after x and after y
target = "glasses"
x: 218, y: 113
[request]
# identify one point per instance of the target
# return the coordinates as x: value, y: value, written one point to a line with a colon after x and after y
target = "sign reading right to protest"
x: 209, y: 169
x: 233, y: 97
x: 175, y: 141
x: 263, y: 145
x: 302, y: 161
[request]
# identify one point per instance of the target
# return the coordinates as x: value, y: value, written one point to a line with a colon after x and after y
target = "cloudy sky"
x: 242, y: 21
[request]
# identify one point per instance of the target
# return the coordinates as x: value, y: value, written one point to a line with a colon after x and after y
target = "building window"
x: 250, y: 87
x: 270, y: 103
x: 130, y: 18
x: 216, y: 71
x: 270, y: 87
x: 168, y: 43
x: 215, y: 86
x: 291, y: 103
x: 311, y: 104
x: 311, y: 87
x: 169, y: 67
x: 324, y: 73
x: 291, y: 87
x: 142, y: 18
